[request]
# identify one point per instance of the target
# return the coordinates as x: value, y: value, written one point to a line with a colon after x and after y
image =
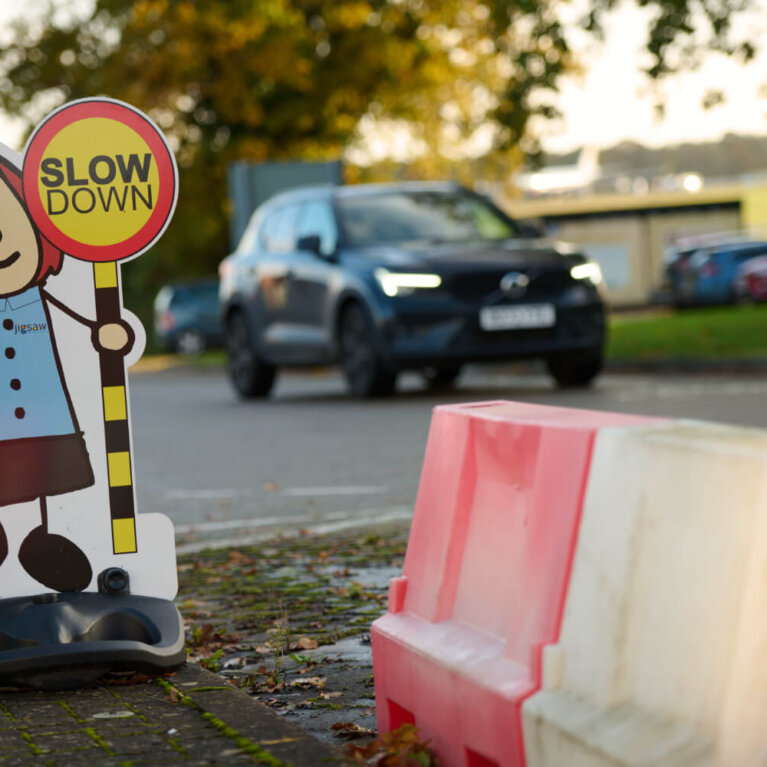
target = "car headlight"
x: 400, y: 283
x: 588, y: 271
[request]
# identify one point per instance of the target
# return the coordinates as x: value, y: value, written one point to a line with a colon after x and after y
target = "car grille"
x: 476, y: 286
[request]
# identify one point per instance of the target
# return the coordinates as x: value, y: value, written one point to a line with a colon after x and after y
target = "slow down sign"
x: 97, y: 185
x: 99, y: 180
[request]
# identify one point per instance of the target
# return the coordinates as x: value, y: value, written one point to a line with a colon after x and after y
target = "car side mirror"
x: 310, y: 242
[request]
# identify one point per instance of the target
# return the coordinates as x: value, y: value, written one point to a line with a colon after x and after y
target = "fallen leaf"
x: 350, y: 730
x: 306, y: 643
x: 309, y: 682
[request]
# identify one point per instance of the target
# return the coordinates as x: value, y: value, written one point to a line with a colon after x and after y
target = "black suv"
x: 390, y: 277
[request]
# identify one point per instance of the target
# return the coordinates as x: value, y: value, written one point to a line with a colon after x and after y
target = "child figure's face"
x: 19, y: 252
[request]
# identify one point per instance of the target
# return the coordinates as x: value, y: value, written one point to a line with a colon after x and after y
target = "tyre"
x: 365, y: 373
x: 190, y: 342
x: 250, y: 375
x: 575, y: 369
x: 442, y: 377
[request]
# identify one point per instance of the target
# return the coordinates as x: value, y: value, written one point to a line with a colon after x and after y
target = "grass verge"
x: 716, y: 333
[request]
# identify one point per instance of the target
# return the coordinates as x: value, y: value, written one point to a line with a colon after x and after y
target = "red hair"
x: 51, y: 258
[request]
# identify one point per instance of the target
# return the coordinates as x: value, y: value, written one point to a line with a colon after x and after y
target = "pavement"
x: 279, y: 669
x: 190, y: 717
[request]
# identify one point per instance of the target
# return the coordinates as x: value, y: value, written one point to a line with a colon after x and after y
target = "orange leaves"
x: 400, y: 748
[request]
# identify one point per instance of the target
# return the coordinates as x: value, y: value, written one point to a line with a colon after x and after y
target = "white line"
x: 340, y: 490
x: 252, y: 522
x: 187, y: 495
x: 365, y: 518
x: 235, y: 524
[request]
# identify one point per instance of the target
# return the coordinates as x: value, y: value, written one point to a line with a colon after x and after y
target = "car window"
x: 248, y: 240
x: 278, y: 233
x: 427, y: 215
x: 316, y: 218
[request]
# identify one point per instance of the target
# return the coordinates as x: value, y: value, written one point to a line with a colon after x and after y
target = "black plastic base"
x: 68, y: 640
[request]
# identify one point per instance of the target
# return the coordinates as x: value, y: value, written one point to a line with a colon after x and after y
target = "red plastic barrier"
x: 485, y: 575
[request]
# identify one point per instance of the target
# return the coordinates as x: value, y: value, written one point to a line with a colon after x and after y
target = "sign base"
x: 68, y: 640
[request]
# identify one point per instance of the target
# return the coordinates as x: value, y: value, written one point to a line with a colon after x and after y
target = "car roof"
x: 355, y: 190
x: 737, y: 247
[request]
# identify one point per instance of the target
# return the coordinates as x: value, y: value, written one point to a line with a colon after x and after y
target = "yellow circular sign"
x: 99, y: 180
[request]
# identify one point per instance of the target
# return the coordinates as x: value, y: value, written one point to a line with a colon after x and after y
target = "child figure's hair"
x: 51, y: 257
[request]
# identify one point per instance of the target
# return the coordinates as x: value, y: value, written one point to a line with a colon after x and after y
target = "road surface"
x: 310, y: 457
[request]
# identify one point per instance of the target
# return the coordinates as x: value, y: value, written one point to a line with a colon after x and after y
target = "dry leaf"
x: 350, y: 730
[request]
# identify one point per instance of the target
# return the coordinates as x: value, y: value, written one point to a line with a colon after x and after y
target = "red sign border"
x: 141, y: 124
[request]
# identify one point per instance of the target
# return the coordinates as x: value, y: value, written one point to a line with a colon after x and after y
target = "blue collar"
x: 29, y: 296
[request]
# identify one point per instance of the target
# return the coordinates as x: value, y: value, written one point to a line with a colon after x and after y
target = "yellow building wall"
x: 629, y: 235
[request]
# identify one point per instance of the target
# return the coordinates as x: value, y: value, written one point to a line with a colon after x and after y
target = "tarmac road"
x: 310, y: 457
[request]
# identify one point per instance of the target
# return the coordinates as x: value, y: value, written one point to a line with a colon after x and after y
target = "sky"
x: 611, y: 101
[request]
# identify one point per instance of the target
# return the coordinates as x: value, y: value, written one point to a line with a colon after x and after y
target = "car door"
x: 272, y: 267
x: 311, y: 273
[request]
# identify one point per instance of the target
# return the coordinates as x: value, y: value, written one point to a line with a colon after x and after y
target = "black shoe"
x: 54, y: 561
x: 3, y: 545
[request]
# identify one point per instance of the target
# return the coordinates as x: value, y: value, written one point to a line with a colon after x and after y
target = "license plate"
x: 517, y: 317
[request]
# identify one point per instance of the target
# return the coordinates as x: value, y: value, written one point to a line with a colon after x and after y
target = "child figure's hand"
x: 115, y: 337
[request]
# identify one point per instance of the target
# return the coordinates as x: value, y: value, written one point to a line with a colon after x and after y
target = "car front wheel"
x: 365, y: 372
x: 250, y: 375
x: 575, y: 369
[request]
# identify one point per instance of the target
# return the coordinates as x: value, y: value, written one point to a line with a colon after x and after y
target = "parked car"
x: 751, y: 279
x: 708, y: 275
x: 391, y: 277
x: 187, y: 317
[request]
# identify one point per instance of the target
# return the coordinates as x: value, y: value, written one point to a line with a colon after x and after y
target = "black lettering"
x: 106, y: 204
x: 146, y: 200
x: 72, y: 180
x: 51, y: 211
x: 93, y: 169
x: 50, y: 166
x: 74, y: 201
x: 134, y: 164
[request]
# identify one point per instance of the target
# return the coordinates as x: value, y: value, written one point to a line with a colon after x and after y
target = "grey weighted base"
x: 66, y: 640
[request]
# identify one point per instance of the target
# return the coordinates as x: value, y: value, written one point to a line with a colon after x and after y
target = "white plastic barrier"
x: 662, y: 655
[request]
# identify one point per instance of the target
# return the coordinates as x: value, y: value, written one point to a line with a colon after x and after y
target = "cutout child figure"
x: 42, y: 449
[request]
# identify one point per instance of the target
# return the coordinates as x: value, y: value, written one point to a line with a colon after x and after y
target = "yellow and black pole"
x: 122, y: 504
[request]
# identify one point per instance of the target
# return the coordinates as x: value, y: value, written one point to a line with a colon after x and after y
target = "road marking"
x: 182, y: 494
x: 288, y: 527
x: 194, y: 495
x: 336, y: 490
x: 235, y: 524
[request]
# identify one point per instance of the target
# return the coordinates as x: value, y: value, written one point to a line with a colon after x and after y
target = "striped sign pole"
x: 116, y: 426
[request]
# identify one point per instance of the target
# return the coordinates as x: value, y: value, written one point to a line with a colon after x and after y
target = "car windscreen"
x: 411, y: 216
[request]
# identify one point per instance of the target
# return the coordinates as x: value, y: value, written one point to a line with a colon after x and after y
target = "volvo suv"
x: 391, y: 277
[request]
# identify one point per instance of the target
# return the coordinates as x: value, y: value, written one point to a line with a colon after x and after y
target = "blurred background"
x: 636, y: 131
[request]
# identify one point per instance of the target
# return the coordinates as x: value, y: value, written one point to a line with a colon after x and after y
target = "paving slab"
x: 191, y: 717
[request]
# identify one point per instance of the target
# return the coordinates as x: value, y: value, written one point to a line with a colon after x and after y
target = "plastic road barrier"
x: 582, y: 590
x: 486, y: 574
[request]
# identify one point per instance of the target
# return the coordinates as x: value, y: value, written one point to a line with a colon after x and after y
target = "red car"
x: 751, y: 279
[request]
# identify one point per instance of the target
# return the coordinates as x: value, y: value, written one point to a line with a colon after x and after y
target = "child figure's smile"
x: 19, y: 248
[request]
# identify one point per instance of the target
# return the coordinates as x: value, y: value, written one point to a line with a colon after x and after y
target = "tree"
x: 274, y: 79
